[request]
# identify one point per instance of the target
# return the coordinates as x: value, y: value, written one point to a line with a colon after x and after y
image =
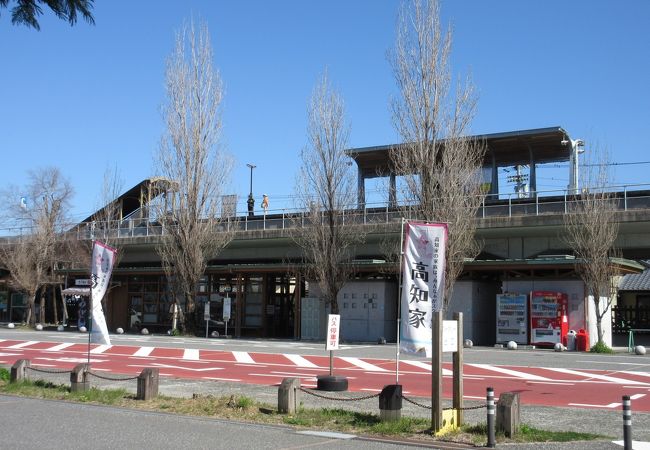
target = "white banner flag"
x: 423, y: 282
x: 101, y: 268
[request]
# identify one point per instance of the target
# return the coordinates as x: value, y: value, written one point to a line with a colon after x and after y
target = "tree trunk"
x: 334, y: 305
x: 41, y: 312
x: 31, y: 316
x: 64, y: 307
x: 54, y: 307
x: 599, y: 328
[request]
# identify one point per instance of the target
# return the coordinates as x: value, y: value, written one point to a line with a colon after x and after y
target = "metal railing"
x: 628, y: 197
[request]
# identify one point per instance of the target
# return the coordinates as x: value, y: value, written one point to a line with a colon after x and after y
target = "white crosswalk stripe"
x: 58, y: 347
x: 100, y: 348
x: 426, y: 366
x: 23, y: 344
x: 362, y: 364
x: 299, y: 360
x: 632, y: 372
x: 144, y: 351
x: 514, y: 373
x: 243, y: 357
x: 597, y: 376
x: 191, y: 354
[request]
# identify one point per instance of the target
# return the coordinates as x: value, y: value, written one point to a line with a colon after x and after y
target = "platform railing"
x: 628, y: 197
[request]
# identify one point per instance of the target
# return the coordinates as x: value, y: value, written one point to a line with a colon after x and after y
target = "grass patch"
x: 477, y: 435
x: 601, y: 347
x: 530, y: 434
x: 246, y: 409
x: 4, y: 375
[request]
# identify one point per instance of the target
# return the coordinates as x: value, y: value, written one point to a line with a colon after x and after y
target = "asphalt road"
x: 36, y: 424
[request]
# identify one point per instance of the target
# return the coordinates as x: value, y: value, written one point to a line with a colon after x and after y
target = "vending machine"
x: 512, y: 318
x: 548, y: 317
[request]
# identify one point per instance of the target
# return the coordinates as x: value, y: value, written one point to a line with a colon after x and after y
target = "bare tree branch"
x: 325, y: 188
x: 32, y: 256
x: 439, y: 165
x: 591, y: 232
x: 191, y: 157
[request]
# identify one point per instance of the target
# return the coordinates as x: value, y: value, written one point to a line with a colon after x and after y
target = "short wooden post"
x: 390, y: 403
x: 148, y: 384
x: 78, y: 378
x: 508, y: 416
x: 19, y: 370
x: 289, y: 396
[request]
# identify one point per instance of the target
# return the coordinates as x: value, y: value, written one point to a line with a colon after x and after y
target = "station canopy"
x: 537, y: 146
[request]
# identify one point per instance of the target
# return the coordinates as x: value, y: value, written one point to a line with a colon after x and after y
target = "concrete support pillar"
x: 533, y: 173
x: 19, y: 370
x: 494, y: 185
x: 79, y: 379
x: 390, y: 403
x: 361, y: 189
x: 147, y: 384
x: 392, y: 191
x: 289, y: 396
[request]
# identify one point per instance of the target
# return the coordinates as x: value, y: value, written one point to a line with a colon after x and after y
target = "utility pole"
x: 251, y: 201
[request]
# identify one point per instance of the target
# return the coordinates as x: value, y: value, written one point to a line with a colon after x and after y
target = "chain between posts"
x: 103, y: 377
x: 61, y: 371
x: 310, y: 392
x: 410, y: 400
x: 52, y: 371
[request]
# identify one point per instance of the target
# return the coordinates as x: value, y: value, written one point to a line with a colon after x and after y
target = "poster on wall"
x: 512, y: 318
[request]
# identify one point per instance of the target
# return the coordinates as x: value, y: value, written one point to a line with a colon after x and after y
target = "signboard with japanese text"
x: 333, y: 329
x: 206, y: 311
x: 449, y: 336
x: 226, y: 308
x: 423, y: 281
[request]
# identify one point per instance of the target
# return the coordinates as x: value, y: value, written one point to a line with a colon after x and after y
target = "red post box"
x: 582, y: 341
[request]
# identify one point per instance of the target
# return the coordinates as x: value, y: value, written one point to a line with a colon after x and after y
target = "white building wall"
x: 368, y: 310
x: 606, y: 322
x: 477, y: 302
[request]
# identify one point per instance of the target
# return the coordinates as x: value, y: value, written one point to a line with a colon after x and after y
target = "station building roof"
x: 541, y: 145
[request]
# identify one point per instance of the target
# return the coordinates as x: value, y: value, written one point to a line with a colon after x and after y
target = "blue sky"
x: 87, y: 97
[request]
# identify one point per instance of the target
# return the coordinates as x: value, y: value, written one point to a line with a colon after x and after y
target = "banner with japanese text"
x: 423, y: 281
x: 101, y: 268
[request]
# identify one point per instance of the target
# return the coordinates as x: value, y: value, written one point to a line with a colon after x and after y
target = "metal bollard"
x: 491, y: 408
x: 627, y: 423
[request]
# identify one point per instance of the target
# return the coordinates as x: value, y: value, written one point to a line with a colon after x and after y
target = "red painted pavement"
x: 536, y: 385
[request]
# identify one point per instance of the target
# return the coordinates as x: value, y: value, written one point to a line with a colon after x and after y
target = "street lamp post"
x: 251, y: 201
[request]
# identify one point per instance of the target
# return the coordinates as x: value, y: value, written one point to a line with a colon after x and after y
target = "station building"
x: 259, y: 274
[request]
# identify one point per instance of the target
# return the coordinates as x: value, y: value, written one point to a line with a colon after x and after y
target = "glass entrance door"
x: 280, y: 307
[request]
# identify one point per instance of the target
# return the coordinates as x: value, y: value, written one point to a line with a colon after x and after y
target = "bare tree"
x: 191, y: 157
x: 105, y: 221
x: 439, y: 164
x: 325, y: 189
x: 31, y: 257
x: 591, y: 232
